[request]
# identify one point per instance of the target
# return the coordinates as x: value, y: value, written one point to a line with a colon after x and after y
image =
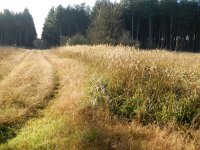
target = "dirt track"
x: 39, y: 87
x: 27, y: 86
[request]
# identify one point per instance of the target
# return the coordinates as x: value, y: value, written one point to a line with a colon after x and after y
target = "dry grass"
x: 5, y: 52
x: 102, y: 98
x: 149, y: 86
x: 162, y: 79
x: 28, y: 85
x: 24, y: 91
x: 58, y: 127
x: 9, y: 59
x: 103, y: 131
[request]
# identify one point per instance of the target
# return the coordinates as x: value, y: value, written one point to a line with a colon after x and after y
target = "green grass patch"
x: 43, y: 133
x: 142, y: 103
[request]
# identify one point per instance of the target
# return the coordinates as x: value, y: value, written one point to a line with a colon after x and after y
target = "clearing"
x: 99, y: 97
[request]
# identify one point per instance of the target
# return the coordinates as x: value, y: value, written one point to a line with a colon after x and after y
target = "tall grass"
x: 104, y: 96
x: 138, y: 86
x: 150, y: 86
x: 23, y: 92
x: 28, y: 85
x: 58, y: 127
x: 9, y: 58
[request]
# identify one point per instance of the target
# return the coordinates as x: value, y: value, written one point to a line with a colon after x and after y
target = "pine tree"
x: 106, y: 23
x: 65, y: 22
x: 50, y: 31
x: 17, y: 29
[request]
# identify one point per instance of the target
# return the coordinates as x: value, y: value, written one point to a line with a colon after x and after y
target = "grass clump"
x: 40, y: 133
x: 91, y: 135
x: 145, y: 107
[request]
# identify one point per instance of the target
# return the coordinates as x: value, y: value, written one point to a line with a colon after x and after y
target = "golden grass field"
x: 99, y: 98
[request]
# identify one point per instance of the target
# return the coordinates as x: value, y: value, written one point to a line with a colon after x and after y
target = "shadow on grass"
x: 101, y: 131
x: 10, y: 127
x: 6, y: 133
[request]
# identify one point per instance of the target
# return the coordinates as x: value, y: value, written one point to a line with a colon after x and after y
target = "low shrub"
x: 126, y: 40
x: 77, y: 39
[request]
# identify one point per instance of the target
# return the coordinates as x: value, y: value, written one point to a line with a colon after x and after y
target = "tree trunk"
x: 193, y: 37
x: 198, y: 43
x: 5, y: 38
x: 1, y: 39
x: 132, y: 26
x: 170, y: 36
x: 20, y: 38
x: 68, y: 29
x: 60, y: 35
x: 138, y: 28
x: 77, y: 28
x: 163, y: 34
x: 26, y: 38
x: 150, y: 32
x: 159, y: 34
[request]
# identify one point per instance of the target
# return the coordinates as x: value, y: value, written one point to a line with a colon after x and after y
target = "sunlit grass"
x: 9, y: 58
x: 152, y: 86
x: 106, y: 98
x: 58, y: 127
x: 25, y: 88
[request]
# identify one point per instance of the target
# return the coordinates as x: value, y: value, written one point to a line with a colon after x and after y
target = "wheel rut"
x: 61, y: 107
x: 8, y: 64
x: 25, y: 92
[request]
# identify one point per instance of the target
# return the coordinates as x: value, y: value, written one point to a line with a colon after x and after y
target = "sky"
x: 39, y: 8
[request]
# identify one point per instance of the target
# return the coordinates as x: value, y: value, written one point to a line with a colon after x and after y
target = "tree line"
x: 65, y: 22
x: 17, y: 29
x: 170, y: 24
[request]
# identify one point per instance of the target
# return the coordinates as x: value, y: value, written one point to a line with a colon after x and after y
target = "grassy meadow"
x: 99, y: 97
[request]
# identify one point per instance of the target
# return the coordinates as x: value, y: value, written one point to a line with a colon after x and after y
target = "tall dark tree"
x: 65, y: 22
x: 106, y: 25
x: 171, y: 24
x: 29, y: 28
x: 17, y: 29
x: 50, y: 31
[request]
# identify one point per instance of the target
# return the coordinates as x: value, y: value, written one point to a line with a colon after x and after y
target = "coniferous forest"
x: 165, y: 24
x: 17, y: 29
x: 170, y: 24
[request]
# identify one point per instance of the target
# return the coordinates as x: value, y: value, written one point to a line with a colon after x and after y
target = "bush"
x: 77, y: 39
x: 40, y: 44
x: 126, y: 40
